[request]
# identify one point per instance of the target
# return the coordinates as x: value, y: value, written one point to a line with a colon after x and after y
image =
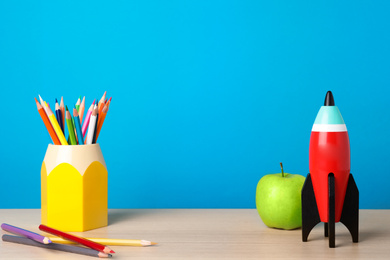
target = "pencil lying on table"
x: 54, y: 246
x: 25, y: 233
x: 109, y: 241
x: 80, y: 240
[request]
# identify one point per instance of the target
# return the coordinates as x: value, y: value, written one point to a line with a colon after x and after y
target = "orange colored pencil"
x: 102, y: 116
x: 101, y: 108
x: 108, y: 106
x: 47, y: 123
x: 101, y: 102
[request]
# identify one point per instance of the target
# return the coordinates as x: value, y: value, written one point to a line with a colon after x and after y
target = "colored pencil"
x: 95, y: 130
x: 81, y: 110
x: 43, y: 104
x: 100, y: 108
x: 102, y: 117
x: 56, y: 126
x: 69, y: 124
x: 92, y: 126
x: 41, y: 100
x: 62, y: 108
x: 73, y: 124
x: 59, y: 116
x: 109, y: 241
x: 101, y: 102
x: 77, y: 107
x: 87, y: 118
x: 78, y: 103
x: 47, y: 123
x: 80, y: 240
x: 76, y: 117
x: 54, y: 246
x: 25, y: 233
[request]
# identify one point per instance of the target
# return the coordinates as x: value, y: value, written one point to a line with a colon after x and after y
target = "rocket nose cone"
x: 329, y: 101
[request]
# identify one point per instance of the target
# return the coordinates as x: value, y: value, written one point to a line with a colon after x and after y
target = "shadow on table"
x: 119, y: 215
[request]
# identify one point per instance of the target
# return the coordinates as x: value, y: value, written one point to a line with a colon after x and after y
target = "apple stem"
x: 281, y: 166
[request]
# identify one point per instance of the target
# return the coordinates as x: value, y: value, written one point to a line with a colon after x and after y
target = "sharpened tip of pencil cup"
x: 74, y: 187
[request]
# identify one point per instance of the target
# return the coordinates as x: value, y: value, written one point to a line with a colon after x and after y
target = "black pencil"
x: 59, y: 116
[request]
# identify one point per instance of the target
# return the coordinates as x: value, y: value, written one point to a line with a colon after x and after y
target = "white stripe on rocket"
x: 329, y: 128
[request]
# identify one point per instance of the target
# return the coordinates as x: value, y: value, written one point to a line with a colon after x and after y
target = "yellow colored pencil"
x: 56, y: 126
x: 109, y: 241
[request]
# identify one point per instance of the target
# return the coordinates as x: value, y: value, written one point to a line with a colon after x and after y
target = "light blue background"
x: 208, y: 96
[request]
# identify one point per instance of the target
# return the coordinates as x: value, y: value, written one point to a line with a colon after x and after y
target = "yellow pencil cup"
x: 74, y: 187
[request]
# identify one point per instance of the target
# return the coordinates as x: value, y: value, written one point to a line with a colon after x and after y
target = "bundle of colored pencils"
x: 61, y: 240
x: 79, y: 131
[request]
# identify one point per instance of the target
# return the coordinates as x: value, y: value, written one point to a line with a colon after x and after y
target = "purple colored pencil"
x: 26, y: 233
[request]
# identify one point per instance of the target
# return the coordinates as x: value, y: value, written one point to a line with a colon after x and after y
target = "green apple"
x: 278, y: 200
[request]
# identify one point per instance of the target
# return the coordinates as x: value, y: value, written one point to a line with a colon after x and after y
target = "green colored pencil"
x: 70, y: 126
x: 78, y: 104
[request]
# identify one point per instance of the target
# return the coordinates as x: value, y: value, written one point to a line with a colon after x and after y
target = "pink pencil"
x: 86, y: 120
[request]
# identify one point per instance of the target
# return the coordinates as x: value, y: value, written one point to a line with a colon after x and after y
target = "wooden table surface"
x: 211, y: 234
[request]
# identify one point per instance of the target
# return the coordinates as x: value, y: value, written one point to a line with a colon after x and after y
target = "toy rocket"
x: 329, y: 194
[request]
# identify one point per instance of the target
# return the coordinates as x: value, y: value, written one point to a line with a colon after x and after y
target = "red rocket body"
x: 329, y: 152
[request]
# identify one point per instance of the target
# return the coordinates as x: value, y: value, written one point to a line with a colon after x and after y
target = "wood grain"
x: 211, y: 234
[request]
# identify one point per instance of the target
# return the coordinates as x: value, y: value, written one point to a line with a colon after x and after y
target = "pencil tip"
x: 36, y: 100
x: 112, y: 252
x: 66, y: 108
x: 153, y: 243
x: 56, y: 101
x: 46, y: 241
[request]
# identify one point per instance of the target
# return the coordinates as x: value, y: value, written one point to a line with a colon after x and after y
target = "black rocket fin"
x: 350, y: 213
x: 310, y: 215
x: 332, y: 210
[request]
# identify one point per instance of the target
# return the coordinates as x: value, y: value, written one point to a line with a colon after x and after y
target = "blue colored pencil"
x: 59, y: 116
x: 78, y: 126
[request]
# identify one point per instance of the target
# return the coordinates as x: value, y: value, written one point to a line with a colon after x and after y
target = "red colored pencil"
x: 80, y: 240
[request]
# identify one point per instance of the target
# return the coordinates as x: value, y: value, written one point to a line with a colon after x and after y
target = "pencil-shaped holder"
x: 74, y: 187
